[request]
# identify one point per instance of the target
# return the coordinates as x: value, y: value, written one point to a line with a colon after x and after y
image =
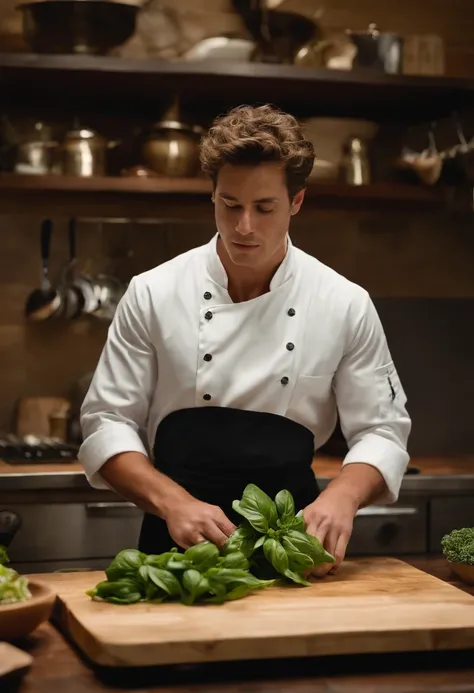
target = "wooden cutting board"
x: 371, y: 605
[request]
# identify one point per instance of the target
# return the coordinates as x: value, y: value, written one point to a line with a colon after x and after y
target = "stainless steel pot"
x: 172, y: 149
x: 83, y: 153
x: 379, y: 50
x: 36, y: 153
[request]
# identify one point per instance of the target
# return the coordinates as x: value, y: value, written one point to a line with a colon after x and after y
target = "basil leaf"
x: 235, y: 560
x: 190, y: 581
x: 299, y: 562
x: 285, y: 505
x: 152, y: 591
x: 196, y: 584
x: 160, y: 560
x: 125, y: 563
x: 203, y: 555
x: 297, y: 578
x: 132, y: 598
x: 297, y: 523
x: 242, y: 539
x: 276, y: 554
x: 235, y: 593
x: 229, y: 576
x: 323, y: 555
x: 178, y: 564
x: 259, y: 542
x: 255, y: 517
x: 125, y: 589
x: 256, y: 500
x: 238, y: 593
x: 165, y: 580
x: 302, y: 543
x: 217, y: 588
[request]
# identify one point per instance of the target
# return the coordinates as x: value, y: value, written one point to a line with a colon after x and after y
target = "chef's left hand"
x: 330, y: 518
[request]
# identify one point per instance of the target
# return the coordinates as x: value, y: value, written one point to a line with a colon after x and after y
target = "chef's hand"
x: 330, y: 518
x: 190, y: 521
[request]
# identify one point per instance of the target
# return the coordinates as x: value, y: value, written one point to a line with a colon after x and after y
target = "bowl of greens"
x: 24, y: 603
x: 458, y: 549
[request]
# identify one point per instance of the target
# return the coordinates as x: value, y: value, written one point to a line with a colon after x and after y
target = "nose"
x: 244, y: 225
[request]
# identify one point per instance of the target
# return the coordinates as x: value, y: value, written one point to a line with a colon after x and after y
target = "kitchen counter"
x: 441, y: 474
x: 58, y: 667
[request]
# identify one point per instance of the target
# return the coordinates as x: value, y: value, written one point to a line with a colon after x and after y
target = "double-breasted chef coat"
x: 220, y: 394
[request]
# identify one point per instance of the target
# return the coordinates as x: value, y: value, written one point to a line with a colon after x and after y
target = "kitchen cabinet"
x: 72, y: 535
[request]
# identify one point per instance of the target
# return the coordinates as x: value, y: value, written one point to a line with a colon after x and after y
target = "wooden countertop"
x: 58, y: 667
x: 324, y: 466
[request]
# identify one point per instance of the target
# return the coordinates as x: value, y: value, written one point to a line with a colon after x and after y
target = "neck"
x: 245, y: 283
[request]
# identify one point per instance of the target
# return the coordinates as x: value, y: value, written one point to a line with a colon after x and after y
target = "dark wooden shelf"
x: 141, y: 86
x: 184, y: 198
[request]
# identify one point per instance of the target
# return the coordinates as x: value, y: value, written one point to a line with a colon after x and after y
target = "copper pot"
x: 172, y: 149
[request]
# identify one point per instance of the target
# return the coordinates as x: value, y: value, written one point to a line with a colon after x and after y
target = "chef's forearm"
x: 362, y: 482
x: 132, y: 475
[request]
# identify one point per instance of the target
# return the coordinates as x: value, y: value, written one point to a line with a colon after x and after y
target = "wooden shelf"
x: 183, y: 198
x: 141, y: 86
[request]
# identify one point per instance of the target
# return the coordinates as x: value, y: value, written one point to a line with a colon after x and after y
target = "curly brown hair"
x: 250, y: 135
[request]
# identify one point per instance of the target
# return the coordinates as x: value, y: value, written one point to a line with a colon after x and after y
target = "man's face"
x: 253, y: 210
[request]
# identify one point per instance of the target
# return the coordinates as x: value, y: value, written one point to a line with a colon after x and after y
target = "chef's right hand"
x: 191, y: 521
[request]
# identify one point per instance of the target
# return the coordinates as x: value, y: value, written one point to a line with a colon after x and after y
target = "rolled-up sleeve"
x: 371, y: 400
x: 114, y: 413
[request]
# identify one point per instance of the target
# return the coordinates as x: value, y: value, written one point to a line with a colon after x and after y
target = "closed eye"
x: 259, y: 208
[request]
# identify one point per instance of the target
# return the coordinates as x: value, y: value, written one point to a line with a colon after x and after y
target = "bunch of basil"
x: 272, y: 535
x: 201, y: 574
x: 270, y: 543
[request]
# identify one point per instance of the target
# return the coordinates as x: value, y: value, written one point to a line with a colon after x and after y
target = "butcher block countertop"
x: 57, y: 666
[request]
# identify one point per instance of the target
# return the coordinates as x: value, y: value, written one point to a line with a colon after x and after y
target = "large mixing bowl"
x: 77, y: 26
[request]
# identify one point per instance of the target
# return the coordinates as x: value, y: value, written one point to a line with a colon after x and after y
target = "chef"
x: 231, y: 363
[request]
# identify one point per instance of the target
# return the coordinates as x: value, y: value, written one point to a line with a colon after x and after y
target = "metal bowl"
x: 92, y: 27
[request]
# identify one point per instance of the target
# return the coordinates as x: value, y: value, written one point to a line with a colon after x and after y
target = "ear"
x: 297, y: 202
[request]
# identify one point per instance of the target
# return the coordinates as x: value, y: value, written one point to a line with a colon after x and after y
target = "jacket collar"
x: 218, y: 274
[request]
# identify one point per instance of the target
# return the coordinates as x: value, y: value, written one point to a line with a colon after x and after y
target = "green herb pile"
x: 13, y: 587
x: 270, y: 544
x: 273, y: 537
x: 198, y: 574
x: 458, y: 546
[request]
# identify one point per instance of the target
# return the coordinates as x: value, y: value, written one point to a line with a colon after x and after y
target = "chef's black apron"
x: 214, y: 452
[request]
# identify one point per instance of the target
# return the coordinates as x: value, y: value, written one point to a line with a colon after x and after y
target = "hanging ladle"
x: 44, y: 302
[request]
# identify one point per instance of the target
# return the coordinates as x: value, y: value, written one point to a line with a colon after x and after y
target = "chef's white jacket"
x: 309, y: 348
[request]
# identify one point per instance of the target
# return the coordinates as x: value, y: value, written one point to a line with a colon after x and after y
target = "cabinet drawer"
x: 390, y: 530
x: 68, y: 531
x: 447, y: 514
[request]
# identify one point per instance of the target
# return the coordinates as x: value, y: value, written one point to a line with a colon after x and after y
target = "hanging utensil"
x: 45, y: 302
x: 73, y: 298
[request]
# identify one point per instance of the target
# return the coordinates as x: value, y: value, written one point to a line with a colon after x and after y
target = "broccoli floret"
x: 458, y: 546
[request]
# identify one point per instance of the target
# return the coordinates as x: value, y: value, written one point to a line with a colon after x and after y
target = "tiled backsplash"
x: 406, y: 263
